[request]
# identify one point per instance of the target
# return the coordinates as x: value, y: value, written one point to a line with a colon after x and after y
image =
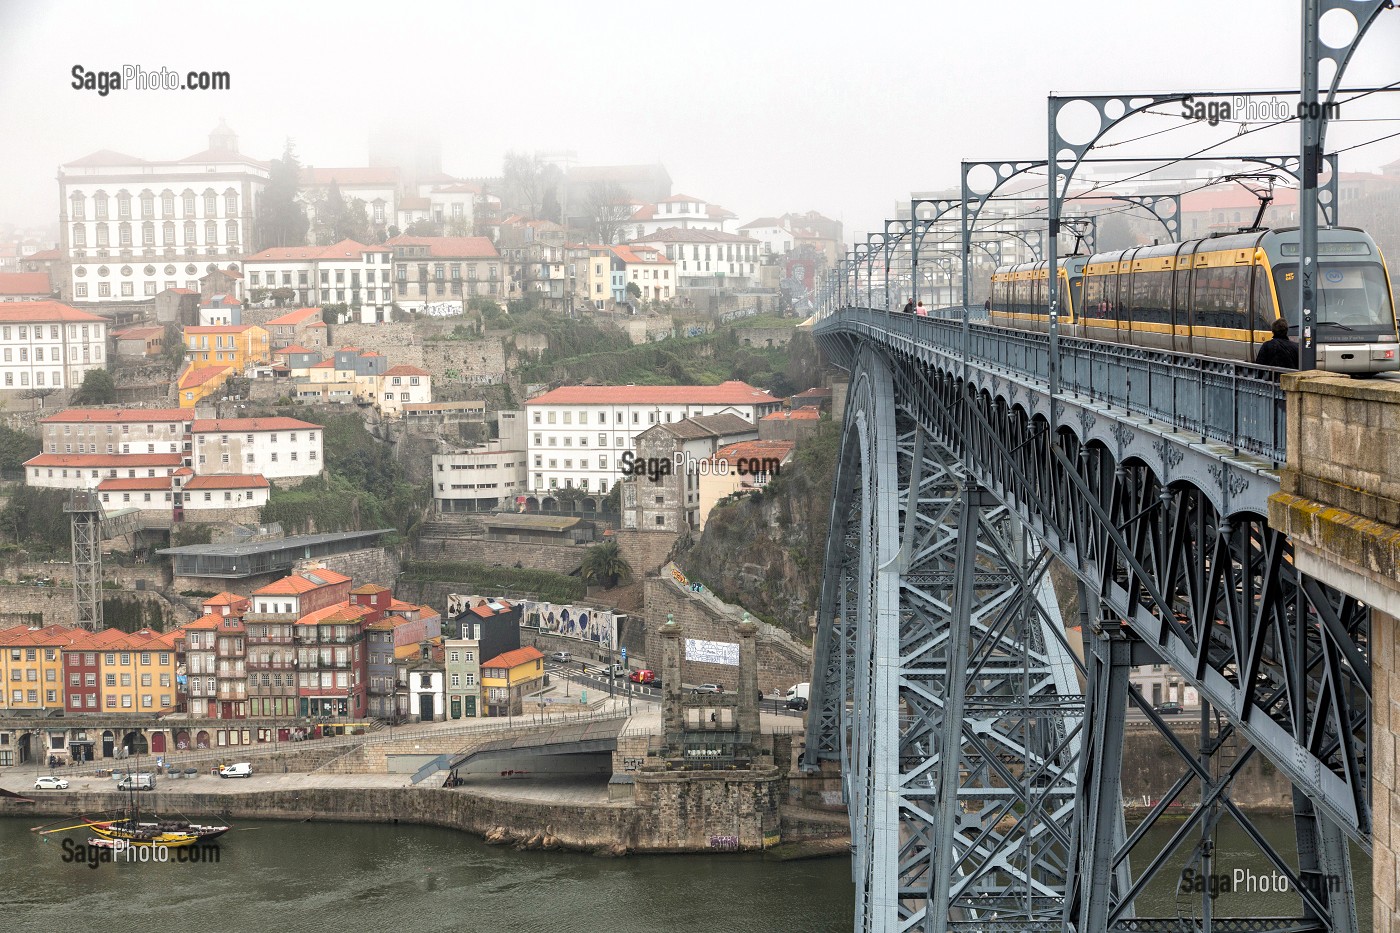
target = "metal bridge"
x: 980, y: 752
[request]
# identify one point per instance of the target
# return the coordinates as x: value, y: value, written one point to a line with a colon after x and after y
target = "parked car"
x: 797, y: 703
x: 49, y: 782
x: 708, y: 688
x: 617, y: 670
x: 1170, y: 708
x: 242, y: 769
x: 562, y: 657
x: 143, y: 781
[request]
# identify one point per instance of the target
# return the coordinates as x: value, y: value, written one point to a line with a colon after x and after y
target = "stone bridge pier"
x: 1339, y: 501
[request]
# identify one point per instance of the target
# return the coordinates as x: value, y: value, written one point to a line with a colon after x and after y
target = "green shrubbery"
x: 480, y: 578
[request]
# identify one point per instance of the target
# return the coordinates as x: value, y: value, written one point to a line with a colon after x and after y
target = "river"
x: 410, y: 879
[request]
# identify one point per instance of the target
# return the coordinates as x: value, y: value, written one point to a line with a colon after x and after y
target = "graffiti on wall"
x: 582, y: 622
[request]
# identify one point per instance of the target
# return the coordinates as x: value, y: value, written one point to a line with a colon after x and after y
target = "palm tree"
x: 605, y: 565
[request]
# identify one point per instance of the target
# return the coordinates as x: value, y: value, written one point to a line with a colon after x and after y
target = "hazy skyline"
x: 761, y: 108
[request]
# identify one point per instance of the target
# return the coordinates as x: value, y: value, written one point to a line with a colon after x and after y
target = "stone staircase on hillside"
x: 455, y: 527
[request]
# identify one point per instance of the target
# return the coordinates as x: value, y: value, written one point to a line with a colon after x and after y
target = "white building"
x: 214, y: 491
x: 402, y: 385
x: 437, y: 275
x: 86, y: 471
x: 48, y: 345
x: 707, y: 258
x: 681, y: 211
x: 578, y: 434
x: 347, y: 273
x: 485, y: 477
x: 376, y: 186
x: 130, y: 228
x: 278, y: 448
x: 116, y: 431
x: 772, y: 233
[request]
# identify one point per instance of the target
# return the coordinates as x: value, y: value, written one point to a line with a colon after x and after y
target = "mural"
x: 582, y: 622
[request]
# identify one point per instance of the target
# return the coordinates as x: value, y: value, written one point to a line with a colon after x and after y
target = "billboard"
x: 582, y: 622
x: 712, y: 652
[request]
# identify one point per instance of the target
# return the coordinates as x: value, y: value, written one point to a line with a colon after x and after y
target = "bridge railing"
x: 1222, y: 401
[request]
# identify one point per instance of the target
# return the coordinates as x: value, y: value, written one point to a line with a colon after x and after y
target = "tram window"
x: 1262, y: 307
x: 1151, y: 296
x: 1090, y: 306
x: 1181, y: 298
x: 1222, y: 295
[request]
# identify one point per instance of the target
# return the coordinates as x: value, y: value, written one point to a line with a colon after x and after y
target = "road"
x: 595, y: 677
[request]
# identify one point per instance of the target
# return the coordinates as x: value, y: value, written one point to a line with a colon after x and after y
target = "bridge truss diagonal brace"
x: 944, y: 685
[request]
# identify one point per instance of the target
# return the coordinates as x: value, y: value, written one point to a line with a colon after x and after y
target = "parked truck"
x: 799, y: 690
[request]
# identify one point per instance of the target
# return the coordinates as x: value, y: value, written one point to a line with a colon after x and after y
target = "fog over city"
x: 762, y: 108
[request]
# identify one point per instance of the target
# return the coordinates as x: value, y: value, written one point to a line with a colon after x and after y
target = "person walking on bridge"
x: 1280, y: 351
x: 921, y: 310
x: 908, y: 306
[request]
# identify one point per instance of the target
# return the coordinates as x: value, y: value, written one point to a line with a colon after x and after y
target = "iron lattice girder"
x: 1169, y: 562
x: 974, y: 625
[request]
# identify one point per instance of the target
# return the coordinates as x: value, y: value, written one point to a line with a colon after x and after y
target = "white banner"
x: 712, y: 652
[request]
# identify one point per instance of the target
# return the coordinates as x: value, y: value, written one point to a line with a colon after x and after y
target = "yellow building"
x: 236, y: 345
x: 137, y: 672
x: 506, y: 678
x: 197, y: 382
x: 31, y: 665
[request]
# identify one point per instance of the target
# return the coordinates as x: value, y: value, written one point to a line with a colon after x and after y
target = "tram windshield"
x: 1350, y: 296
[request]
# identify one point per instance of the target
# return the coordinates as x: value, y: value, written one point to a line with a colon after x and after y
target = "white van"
x: 799, y: 690
x: 137, y: 782
x: 242, y: 769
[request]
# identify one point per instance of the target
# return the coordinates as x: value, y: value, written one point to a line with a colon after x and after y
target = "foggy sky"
x: 760, y: 107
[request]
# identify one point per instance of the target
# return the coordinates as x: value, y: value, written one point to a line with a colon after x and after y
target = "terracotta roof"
x: 450, y: 247
x: 511, y: 659
x: 806, y: 413
x: 116, y: 415
x: 355, y: 175
x: 287, y: 586
x: 105, y: 157
x: 345, y: 249
x: 732, y: 392
x: 193, y: 376
x: 246, y: 425
x: 295, y: 317
x: 294, y: 348
x: 45, y: 254
x: 139, y: 333
x: 324, y: 364
x: 640, y: 254
x: 754, y: 450
x: 763, y: 222
x: 45, y: 312
x: 128, y: 484
x: 692, y: 235
x: 179, y: 291
x: 339, y: 613
x: 406, y: 370
x: 216, y: 301
x: 228, y: 481
x: 25, y: 283
x: 317, y: 324
x: 104, y: 461
x: 368, y: 589
x: 220, y: 328
x: 225, y: 599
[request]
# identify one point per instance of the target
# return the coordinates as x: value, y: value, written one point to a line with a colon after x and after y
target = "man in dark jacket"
x: 1280, y: 351
x: 909, y: 306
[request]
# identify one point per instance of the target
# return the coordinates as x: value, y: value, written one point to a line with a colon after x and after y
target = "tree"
x: 603, y: 564
x: 34, y: 518
x: 421, y: 228
x: 634, y: 290
x: 15, y: 448
x: 97, y: 389
x: 338, y: 219
x: 281, y: 219
x: 524, y: 177
x: 608, y: 207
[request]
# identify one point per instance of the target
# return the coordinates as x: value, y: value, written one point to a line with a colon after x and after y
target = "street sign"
x: 624, y: 655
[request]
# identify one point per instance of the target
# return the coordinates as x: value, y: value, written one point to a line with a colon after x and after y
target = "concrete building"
x: 346, y: 273
x: 462, y: 675
x: 739, y: 468
x: 297, y: 328
x: 579, y: 434
x: 376, y: 187
x: 140, y: 342
x: 507, y: 678
x: 49, y: 345
x: 402, y: 385
x: 789, y: 425
x: 237, y: 346
x: 25, y: 286
x: 680, y: 211
x: 480, y: 478
x: 774, y: 237
x: 708, y: 258
x: 438, y: 275
x: 196, y: 383
x: 426, y: 698
x: 278, y: 448
x: 221, y: 309
x: 667, y: 497
x: 130, y: 227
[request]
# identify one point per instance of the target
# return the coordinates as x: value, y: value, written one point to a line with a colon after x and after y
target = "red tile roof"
x: 294, y: 348
x: 228, y: 481
x: 225, y: 599
x: 806, y: 413
x: 512, y: 659
x: 340, y: 613
x: 25, y: 283
x: 642, y: 254
x: 732, y: 392
x: 368, y: 589
x: 295, y: 317
x: 139, y: 333
x: 405, y: 370
x: 101, y: 461
x: 45, y: 312
x: 116, y: 415
x: 128, y: 484
x: 45, y: 254
x: 193, y: 376
x: 754, y: 450
x: 247, y: 425
x: 450, y: 247
x: 345, y: 249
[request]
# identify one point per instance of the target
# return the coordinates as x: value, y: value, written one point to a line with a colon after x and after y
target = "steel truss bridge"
x: 980, y: 756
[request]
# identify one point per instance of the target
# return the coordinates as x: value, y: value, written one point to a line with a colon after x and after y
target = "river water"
x: 293, y: 877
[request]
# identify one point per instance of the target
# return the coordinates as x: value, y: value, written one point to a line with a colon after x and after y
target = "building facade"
x: 439, y: 275
x: 346, y: 273
x: 49, y: 345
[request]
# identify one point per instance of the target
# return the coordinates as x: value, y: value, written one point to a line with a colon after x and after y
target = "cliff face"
x: 765, y: 552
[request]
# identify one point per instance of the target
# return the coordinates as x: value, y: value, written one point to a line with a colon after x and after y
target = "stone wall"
x: 367, y: 565
x: 400, y: 342
x: 470, y: 361
x: 560, y: 558
x: 764, y: 336
x: 688, y: 811
x: 782, y: 661
x: 645, y: 551
x: 53, y: 604
x: 1385, y: 801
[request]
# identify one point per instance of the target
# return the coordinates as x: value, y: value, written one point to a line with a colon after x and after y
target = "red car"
x: 642, y: 676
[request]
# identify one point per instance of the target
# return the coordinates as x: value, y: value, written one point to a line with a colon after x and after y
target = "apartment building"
x: 49, y: 345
